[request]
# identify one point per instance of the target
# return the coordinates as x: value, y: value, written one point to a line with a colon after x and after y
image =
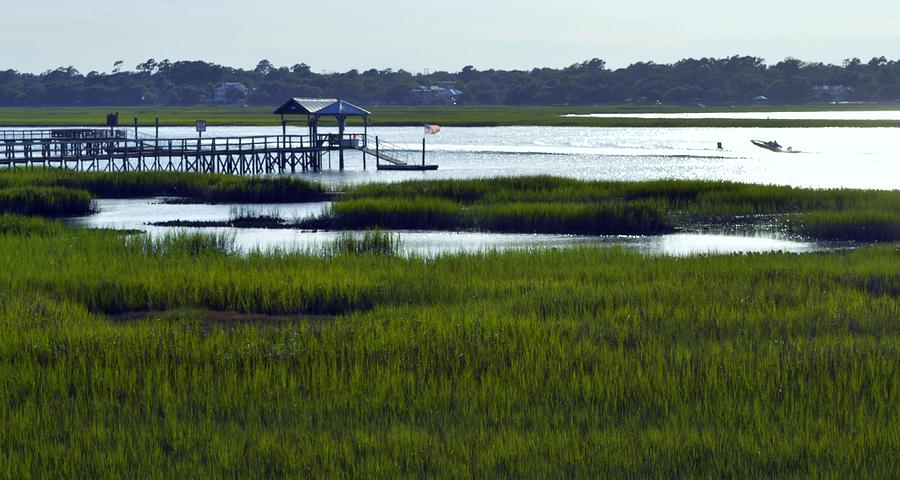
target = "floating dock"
x: 407, y: 167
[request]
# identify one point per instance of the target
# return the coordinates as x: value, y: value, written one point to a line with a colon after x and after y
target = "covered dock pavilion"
x: 316, y: 108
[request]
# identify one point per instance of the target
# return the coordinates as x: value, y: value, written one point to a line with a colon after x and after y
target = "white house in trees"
x: 236, y: 90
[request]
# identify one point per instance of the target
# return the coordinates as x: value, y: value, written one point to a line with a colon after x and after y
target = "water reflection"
x: 135, y: 214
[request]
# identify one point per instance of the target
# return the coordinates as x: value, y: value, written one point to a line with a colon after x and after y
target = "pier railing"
x: 61, y: 133
x: 112, y: 151
x: 240, y: 155
x: 390, y: 152
x: 118, y: 150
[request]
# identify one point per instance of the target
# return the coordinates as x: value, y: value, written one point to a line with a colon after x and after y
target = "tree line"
x: 713, y: 81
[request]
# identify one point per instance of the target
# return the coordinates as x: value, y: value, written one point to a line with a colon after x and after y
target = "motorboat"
x: 773, y: 146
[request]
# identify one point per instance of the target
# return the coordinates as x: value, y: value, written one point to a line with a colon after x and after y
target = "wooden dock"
x: 111, y: 151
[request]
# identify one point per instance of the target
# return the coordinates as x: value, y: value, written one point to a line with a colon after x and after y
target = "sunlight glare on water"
x: 827, y: 158
x: 833, y: 115
x: 135, y: 214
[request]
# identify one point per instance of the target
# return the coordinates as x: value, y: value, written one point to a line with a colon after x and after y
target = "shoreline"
x: 458, y: 116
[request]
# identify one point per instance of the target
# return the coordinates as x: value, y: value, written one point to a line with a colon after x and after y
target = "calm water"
x: 135, y: 214
x: 835, y: 115
x: 829, y: 158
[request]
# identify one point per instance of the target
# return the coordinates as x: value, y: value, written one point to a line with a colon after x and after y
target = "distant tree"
x: 789, y: 67
x: 188, y: 95
x: 234, y: 95
x: 852, y: 63
x: 730, y: 80
x: 163, y: 66
x: 264, y: 67
x: 194, y: 73
x: 301, y: 69
x: 878, y: 62
x: 792, y: 90
x: 146, y: 67
x: 889, y: 93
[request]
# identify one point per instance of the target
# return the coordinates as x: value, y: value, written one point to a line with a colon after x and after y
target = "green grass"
x: 202, y: 187
x: 12, y: 224
x: 440, y: 214
x: 373, y: 242
x: 447, y: 116
x: 46, y: 201
x: 575, y: 363
x: 542, y: 204
x: 868, y: 226
x: 547, y: 204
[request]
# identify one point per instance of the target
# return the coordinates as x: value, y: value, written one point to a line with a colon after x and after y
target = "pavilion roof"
x: 320, y: 107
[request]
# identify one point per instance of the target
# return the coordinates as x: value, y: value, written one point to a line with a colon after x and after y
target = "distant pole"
x: 377, y: 154
x: 157, y: 129
x: 423, y: 151
x: 135, y: 127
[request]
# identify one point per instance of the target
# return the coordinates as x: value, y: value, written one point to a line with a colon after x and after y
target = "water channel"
x: 829, y: 158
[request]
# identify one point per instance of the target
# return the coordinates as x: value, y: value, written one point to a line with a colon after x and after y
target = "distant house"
x: 834, y: 93
x: 760, y: 99
x: 434, y: 95
x: 450, y: 96
x: 227, y: 92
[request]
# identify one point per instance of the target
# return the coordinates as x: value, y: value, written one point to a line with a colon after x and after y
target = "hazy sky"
x: 37, y: 35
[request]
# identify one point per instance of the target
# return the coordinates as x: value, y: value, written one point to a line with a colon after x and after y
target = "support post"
x: 135, y: 128
x: 282, y: 153
x: 423, y: 151
x: 365, y: 139
x: 341, y: 125
x: 377, y: 154
x: 156, y: 146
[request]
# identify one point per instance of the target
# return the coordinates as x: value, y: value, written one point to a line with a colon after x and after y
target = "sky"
x: 38, y: 35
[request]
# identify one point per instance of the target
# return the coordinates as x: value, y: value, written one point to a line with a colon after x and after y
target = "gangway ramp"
x: 383, y: 156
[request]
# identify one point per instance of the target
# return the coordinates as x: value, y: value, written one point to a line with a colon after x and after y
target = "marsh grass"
x: 458, y: 115
x: 20, y: 225
x: 373, y: 242
x: 180, y: 243
x: 397, y: 213
x: 202, y: 187
x: 866, y: 226
x: 45, y: 201
x: 541, y: 204
x: 549, y: 204
x: 582, y: 362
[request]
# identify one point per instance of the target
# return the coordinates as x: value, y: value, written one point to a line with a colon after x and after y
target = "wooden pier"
x: 109, y: 150
x: 117, y: 150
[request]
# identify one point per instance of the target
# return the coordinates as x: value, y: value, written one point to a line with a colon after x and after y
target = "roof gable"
x: 331, y: 107
x: 341, y: 107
